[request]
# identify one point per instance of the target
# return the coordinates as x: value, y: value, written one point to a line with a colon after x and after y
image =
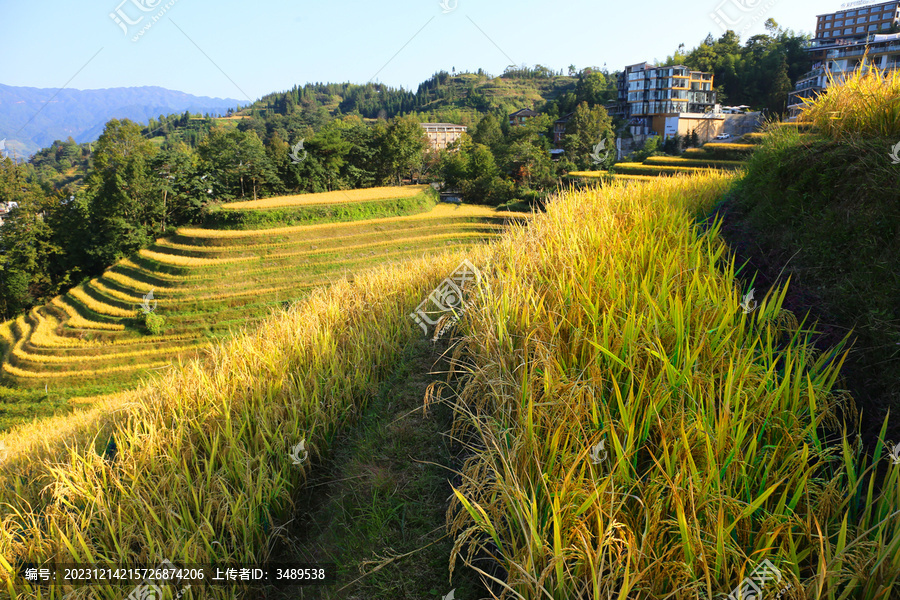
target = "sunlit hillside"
x: 634, y: 425
x: 205, y: 283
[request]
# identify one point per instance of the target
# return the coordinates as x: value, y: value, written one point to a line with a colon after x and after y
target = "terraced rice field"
x: 208, y: 283
x: 325, y: 207
x: 710, y: 158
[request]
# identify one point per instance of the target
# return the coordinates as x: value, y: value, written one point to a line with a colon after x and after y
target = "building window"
x: 848, y: 31
x: 873, y: 27
x: 827, y: 17
x: 838, y: 23
x: 860, y: 29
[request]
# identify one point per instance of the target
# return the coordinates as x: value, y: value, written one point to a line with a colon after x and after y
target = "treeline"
x: 496, y: 162
x: 375, y: 100
x: 759, y: 74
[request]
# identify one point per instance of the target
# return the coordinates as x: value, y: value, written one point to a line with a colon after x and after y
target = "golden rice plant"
x: 669, y: 167
x: 694, y: 162
x: 755, y: 137
x: 434, y: 237
x: 189, y: 442
x: 602, y: 176
x: 44, y: 333
x: 76, y: 321
x: 6, y: 333
x: 158, y: 275
x: 135, y: 298
x: 627, y: 168
x: 638, y: 433
x: 864, y: 103
x: 713, y: 146
x: 337, y: 237
x: 335, y: 197
x: 66, y: 359
x: 588, y: 173
x: 101, y: 308
x: 141, y: 288
x: 253, y: 279
x: 190, y: 261
x: 27, y: 374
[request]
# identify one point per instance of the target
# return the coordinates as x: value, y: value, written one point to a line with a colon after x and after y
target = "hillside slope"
x: 632, y: 428
x: 824, y: 214
x: 207, y: 283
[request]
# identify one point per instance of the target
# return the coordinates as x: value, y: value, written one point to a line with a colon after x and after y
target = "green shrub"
x: 154, y: 323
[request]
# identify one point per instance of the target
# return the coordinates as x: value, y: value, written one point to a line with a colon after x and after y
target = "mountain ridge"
x: 32, y: 118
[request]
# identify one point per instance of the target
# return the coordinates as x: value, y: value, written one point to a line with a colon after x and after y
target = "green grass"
x: 824, y: 212
x: 326, y: 213
x: 377, y: 499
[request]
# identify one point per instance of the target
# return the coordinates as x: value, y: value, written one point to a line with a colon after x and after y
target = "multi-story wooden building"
x: 520, y: 117
x: 559, y: 128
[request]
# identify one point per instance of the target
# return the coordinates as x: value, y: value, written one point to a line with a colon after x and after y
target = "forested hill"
x: 758, y: 72
x: 456, y: 97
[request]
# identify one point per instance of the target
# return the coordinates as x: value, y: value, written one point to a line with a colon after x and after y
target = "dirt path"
x: 382, y: 495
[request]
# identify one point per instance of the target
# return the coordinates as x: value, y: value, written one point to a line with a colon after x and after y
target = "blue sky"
x: 244, y: 50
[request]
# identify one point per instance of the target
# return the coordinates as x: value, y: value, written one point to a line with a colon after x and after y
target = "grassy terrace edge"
x: 311, y: 214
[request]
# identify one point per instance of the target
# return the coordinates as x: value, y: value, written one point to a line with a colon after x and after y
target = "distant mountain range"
x: 33, y: 118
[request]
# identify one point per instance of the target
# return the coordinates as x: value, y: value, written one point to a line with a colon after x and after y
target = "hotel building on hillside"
x: 667, y: 101
x: 842, y: 39
x: 441, y: 135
